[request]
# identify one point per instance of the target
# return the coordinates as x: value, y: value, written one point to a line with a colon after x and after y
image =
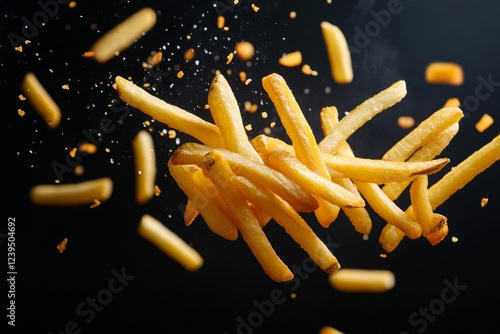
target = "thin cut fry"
x: 362, y: 280
x: 145, y: 166
x: 291, y: 221
x: 444, y: 73
x: 41, y: 100
x: 227, y: 116
x: 362, y: 114
x: 168, y: 114
x: 72, y: 193
x: 219, y: 171
x: 338, y: 53
x: 170, y: 243
x: 422, y: 209
x: 302, y: 136
x: 123, y: 35
x: 484, y: 123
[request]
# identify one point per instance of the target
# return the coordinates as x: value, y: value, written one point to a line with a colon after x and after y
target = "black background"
x: 164, y: 298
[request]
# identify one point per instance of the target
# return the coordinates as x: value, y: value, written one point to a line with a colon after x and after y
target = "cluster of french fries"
x: 238, y: 185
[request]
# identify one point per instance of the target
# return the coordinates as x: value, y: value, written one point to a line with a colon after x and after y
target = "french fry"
x: 227, y: 116
x: 484, y: 123
x: 300, y: 200
x: 338, y: 53
x: 422, y: 209
x: 362, y: 114
x: 80, y: 193
x: 170, y: 243
x: 219, y: 171
x: 123, y: 35
x: 302, y: 136
x: 362, y: 280
x: 291, y: 59
x: 218, y: 220
x: 444, y: 73
x: 312, y: 182
x: 329, y: 330
x: 168, y: 114
x: 145, y: 166
x: 41, y: 101
x: 291, y: 221
x: 435, y: 123
x: 190, y: 212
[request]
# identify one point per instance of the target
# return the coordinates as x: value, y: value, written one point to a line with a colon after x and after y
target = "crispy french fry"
x: 338, y: 53
x: 302, y: 136
x: 227, y: 116
x: 300, y: 200
x: 40, y: 99
x: 422, y: 209
x: 362, y: 280
x: 170, y: 243
x: 312, y: 182
x: 190, y: 212
x: 219, y: 171
x: 84, y: 192
x: 168, y: 114
x: 362, y: 114
x: 123, y: 35
x: 291, y: 221
x: 145, y: 166
x: 216, y: 218
x: 435, y: 123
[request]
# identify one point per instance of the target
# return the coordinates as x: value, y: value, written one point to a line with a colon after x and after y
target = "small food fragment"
x: 95, y: 204
x: 65, y: 87
x: 72, y: 153
x: 123, y: 35
x: 406, y: 122
x: 452, y: 102
x: 170, y: 243
x: 454, y: 239
x: 383, y: 255
x: 292, y: 59
x: 21, y: 97
x: 189, y: 54
x: 444, y: 73
x: 484, y: 123
x: 145, y: 166
x: 88, y: 148
x: 293, y: 14
x: 41, y: 100
x: 21, y: 112
x: 229, y: 58
x: 243, y: 76
x: 221, y: 21
x: 157, y: 190
x: 362, y: 280
x: 338, y: 53
x: 61, y: 247
x: 155, y: 59
x: 255, y: 8
x: 307, y: 70
x: 89, y: 54
x: 247, y: 81
x: 72, y: 193
x: 72, y: 4
x: 244, y: 50
x: 180, y: 74
x: 329, y: 330
x: 484, y: 201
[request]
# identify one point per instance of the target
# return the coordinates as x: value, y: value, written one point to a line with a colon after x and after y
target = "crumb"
x: 454, y: 239
x: 95, y: 204
x: 157, y: 190
x: 484, y: 201
x: 406, y: 122
x: 61, y: 247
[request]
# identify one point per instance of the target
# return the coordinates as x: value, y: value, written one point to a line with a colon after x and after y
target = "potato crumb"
x: 267, y: 131
x: 206, y: 107
x: 293, y: 14
x: 248, y: 127
x: 27, y: 42
x: 72, y: 153
x: 221, y: 21
x: 236, y: 2
x: 155, y: 58
x: 292, y: 59
x: 383, y: 255
x: 180, y: 74
x: 65, y: 87
x: 244, y: 50
x: 293, y: 295
x: 157, y: 190
x: 89, y: 54
x: 454, y: 239
x: 306, y: 69
x: 255, y: 8
x: 21, y: 112
x: 19, y: 48
x: 229, y: 58
x: 107, y: 150
x: 243, y: 76
x: 247, y: 81
x: 484, y: 201
x: 264, y: 114
x: 61, y: 247
x: 88, y: 148
x: 406, y: 122
x: 484, y: 123
x: 172, y: 134
x: 452, y: 102
x: 444, y: 73
x: 72, y: 4
x: 272, y: 125
x: 22, y: 97
x: 79, y: 170
x: 95, y: 204
x: 146, y: 85
x: 226, y: 28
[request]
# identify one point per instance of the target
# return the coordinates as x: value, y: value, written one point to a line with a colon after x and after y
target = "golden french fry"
x: 338, y: 53
x: 190, y: 212
x: 302, y: 136
x: 439, y: 229
x: 219, y: 171
x: 428, y: 151
x: 168, y: 114
x: 312, y: 182
x: 145, y: 166
x: 422, y: 209
x: 300, y: 200
x: 362, y: 114
x: 170, y: 243
x: 291, y: 221
x: 227, y: 116
x: 123, y: 35
x: 435, y: 123
x: 291, y: 59
x: 41, y: 101
x: 217, y: 219
x: 329, y: 330
x: 444, y: 73
x: 84, y: 192
x: 362, y: 280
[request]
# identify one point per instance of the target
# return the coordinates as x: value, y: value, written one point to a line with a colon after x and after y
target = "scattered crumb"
x: 293, y: 14
x: 248, y: 127
x: 221, y: 21
x: 22, y: 97
x: 189, y: 54
x: 383, y: 255
x: 291, y: 59
x: 243, y: 76
x: 172, y: 134
x: 229, y: 58
x: 255, y: 8
x: 65, y: 87
x: 61, y: 247
x: 206, y: 107
x: 452, y: 102
x: 484, y: 201
x: 95, y: 204
x: 72, y: 153
x: 78, y: 170
x: 180, y: 74
x: 406, y: 122
x: 107, y: 150
x: 366, y: 237
x: 247, y: 81
x: 484, y: 123
x: 88, y: 148
x: 244, y: 50
x: 21, y: 112
x: 157, y: 190
x: 306, y: 69
x: 89, y: 54
x: 293, y: 295
x: 155, y: 58
x: 19, y: 48
x: 72, y: 4
x: 454, y: 239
